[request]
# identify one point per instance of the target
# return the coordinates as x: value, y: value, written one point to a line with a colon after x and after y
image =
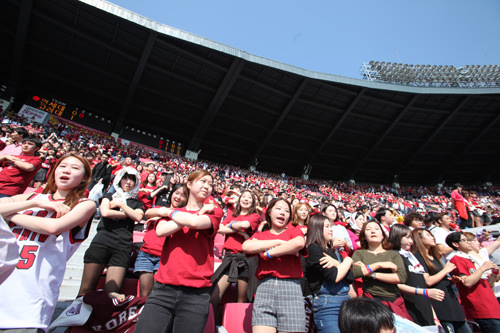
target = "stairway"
x: 74, y: 268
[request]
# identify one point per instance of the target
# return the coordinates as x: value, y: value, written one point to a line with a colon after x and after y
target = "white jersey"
x: 30, y: 293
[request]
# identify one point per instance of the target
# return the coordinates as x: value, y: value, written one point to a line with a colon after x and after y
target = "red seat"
x: 138, y: 236
x: 210, y: 326
x: 29, y: 190
x: 230, y: 296
x: 237, y: 317
x: 219, y: 245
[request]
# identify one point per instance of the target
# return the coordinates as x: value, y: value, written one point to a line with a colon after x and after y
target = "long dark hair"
x: 146, y: 182
x: 325, y: 207
x: 315, y: 231
x: 175, y: 188
x: 251, y: 210
x: 270, y: 207
x: 386, y: 245
x: 418, y: 246
x: 398, y: 231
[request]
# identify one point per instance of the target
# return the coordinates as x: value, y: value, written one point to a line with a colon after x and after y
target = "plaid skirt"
x: 279, y: 303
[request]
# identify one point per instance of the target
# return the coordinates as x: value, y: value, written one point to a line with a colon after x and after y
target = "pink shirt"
x: 13, y: 149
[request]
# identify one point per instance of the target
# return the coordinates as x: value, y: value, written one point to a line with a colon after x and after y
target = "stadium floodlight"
x: 432, y: 75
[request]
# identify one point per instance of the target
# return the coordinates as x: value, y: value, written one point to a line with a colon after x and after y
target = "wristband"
x: 263, y: 256
x: 172, y: 214
x: 426, y: 293
x: 268, y: 255
x: 231, y: 225
x: 369, y: 269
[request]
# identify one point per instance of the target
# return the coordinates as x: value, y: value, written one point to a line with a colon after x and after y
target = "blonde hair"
x: 295, y: 218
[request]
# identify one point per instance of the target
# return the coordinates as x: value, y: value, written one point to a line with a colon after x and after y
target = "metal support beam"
x: 135, y: 81
x: 283, y: 115
x: 218, y: 100
x: 81, y: 35
x: 17, y: 55
x: 387, y: 131
x: 337, y: 125
x: 477, y: 136
x: 433, y: 135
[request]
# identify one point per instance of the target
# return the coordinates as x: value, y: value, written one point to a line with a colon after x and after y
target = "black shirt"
x: 117, y: 232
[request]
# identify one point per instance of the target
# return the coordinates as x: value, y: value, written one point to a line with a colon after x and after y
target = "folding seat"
x: 237, y: 317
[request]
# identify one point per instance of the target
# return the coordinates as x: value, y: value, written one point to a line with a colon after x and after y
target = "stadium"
x: 143, y: 81
x: 247, y: 142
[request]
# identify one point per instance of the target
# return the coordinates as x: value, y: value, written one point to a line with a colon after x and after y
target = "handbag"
x: 96, y: 192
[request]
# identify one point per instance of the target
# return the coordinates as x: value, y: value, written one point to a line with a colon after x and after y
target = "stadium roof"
x: 239, y: 108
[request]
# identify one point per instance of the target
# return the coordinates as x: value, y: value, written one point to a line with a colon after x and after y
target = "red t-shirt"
x: 152, y: 243
x: 187, y: 258
x: 233, y: 241
x: 143, y: 197
x: 14, y: 180
x: 287, y: 266
x: 479, y: 300
x: 144, y: 175
x: 229, y: 206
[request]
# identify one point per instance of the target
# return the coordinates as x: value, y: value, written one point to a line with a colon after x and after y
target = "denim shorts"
x: 146, y: 262
x: 326, y: 310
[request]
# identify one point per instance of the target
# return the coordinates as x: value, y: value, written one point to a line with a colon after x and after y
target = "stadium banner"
x: 32, y: 114
x: 55, y: 120
x: 4, y: 105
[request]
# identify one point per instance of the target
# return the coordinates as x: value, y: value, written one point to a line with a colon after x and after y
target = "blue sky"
x: 337, y: 36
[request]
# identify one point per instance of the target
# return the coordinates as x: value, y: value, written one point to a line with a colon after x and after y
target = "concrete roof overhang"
x: 238, y: 108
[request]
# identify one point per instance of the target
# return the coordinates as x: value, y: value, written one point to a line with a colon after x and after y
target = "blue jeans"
x: 456, y: 327
x: 175, y: 309
x: 111, y: 189
x: 489, y: 325
x: 326, y: 310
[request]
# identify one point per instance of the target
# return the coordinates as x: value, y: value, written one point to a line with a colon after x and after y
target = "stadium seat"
x: 210, y: 327
x: 230, y: 296
x: 29, y: 190
x: 138, y: 236
x: 219, y: 245
x: 237, y: 317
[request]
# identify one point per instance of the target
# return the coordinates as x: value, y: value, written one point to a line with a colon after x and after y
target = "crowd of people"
x: 297, y: 249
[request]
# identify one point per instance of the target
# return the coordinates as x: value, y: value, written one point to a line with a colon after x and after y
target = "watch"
x: 374, y: 275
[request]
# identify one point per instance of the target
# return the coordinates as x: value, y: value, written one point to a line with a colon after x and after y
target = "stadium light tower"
x: 447, y: 76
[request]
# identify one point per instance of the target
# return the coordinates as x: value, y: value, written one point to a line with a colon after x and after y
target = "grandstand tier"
x: 145, y: 81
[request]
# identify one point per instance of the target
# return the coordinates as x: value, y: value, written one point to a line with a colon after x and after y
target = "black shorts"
x: 109, y: 256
